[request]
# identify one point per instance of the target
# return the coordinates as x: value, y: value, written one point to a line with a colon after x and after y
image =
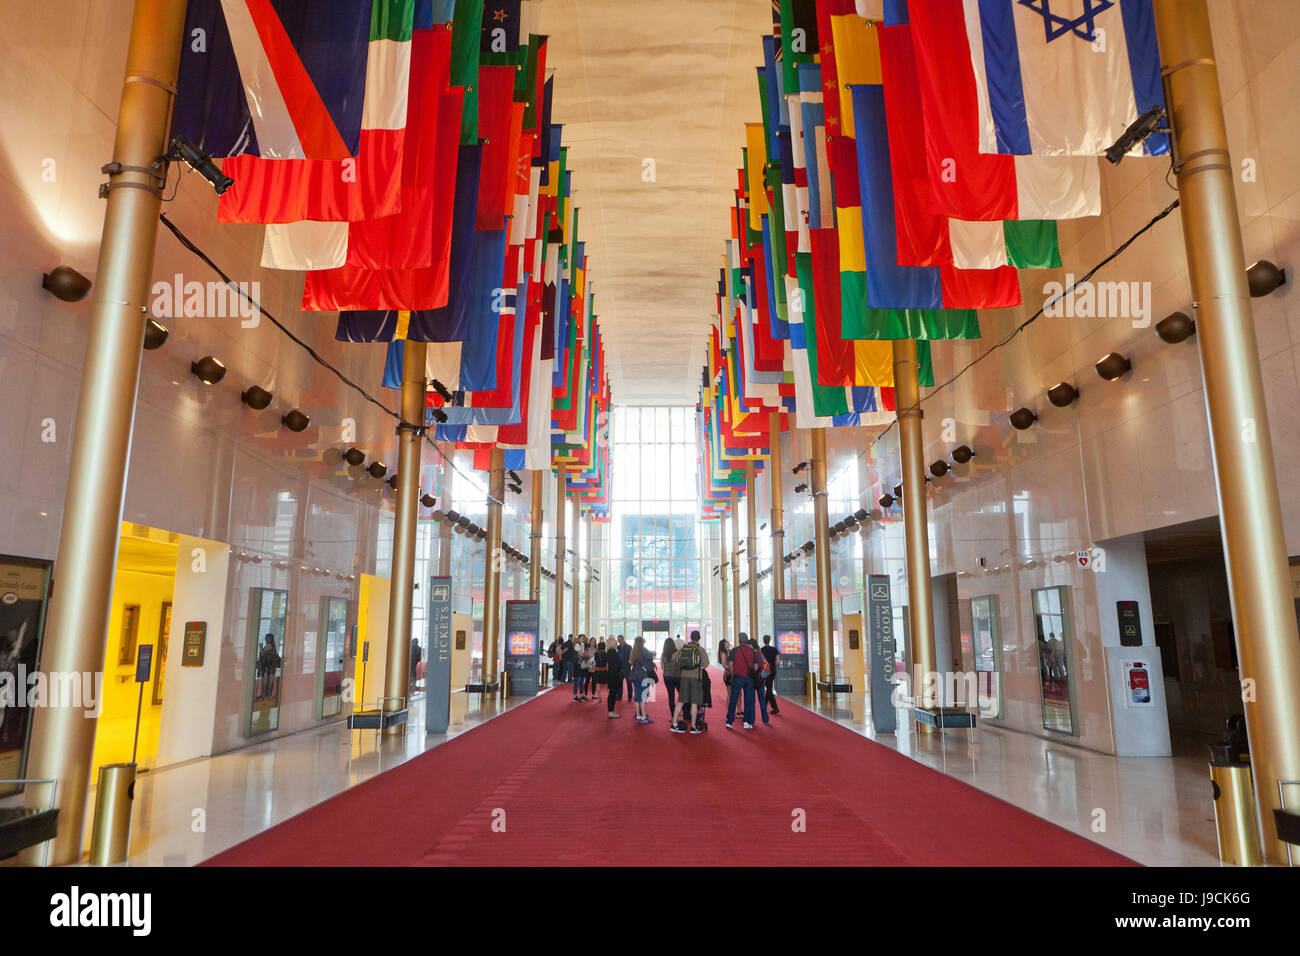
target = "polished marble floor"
x: 1157, y: 811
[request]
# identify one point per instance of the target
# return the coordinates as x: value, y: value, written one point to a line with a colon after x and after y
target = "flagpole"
x: 445, y: 526
x: 401, y: 586
x: 63, y: 738
x: 492, y: 568
x: 920, y: 606
x: 822, y: 556
x: 1264, y: 623
x: 778, y: 527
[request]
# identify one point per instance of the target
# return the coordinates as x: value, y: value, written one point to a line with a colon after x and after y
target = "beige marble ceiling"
x: 671, y: 81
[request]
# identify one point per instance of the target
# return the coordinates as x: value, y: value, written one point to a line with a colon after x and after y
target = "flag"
x: 316, y: 128
x: 1063, y: 82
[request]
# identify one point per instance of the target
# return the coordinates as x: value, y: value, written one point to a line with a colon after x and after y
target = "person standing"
x: 582, y: 663
x: 692, y: 660
x: 614, y: 677
x: 672, y: 672
x: 624, y: 653
x: 599, y: 670
x: 760, y: 679
x: 741, y: 665
x: 769, y: 684
x: 566, y: 656
x: 641, y: 663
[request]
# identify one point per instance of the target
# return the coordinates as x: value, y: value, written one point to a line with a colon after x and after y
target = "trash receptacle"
x: 110, y: 840
x: 1234, y: 796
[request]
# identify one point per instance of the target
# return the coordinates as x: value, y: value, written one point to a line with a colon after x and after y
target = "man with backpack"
x: 692, y: 661
x: 769, y: 685
x: 761, y: 675
x: 743, y: 665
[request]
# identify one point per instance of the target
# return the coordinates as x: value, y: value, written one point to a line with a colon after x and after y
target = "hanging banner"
x: 880, y: 652
x: 24, y: 584
x: 523, y: 626
x: 790, y: 622
x: 437, y: 675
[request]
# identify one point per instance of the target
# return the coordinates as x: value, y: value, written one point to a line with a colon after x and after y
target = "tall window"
x: 651, y: 563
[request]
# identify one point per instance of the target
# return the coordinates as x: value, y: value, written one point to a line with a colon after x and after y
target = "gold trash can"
x: 110, y: 840
x: 1234, y: 813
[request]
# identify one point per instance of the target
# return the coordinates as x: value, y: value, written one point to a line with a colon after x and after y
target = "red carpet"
x: 576, y: 788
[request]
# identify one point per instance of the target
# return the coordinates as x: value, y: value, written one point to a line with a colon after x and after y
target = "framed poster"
x: 1051, y: 609
x: 24, y: 590
x: 129, y: 635
x: 164, y: 632
x: 988, y: 653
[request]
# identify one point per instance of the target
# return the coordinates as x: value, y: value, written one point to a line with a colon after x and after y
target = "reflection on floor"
x: 1157, y: 811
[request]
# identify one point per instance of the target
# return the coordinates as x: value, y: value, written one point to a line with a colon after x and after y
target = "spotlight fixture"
x: 208, y: 369
x: 354, y: 456
x: 1176, y: 327
x: 886, y: 501
x: 514, y: 477
x: 800, y: 467
x: 428, y: 500
x: 898, y: 492
x: 939, y: 469
x: 295, y: 421
x: 255, y: 397
x: 377, y: 469
x: 155, y: 335
x: 1062, y: 394
x: 809, y: 547
x: 1023, y: 418
x: 482, y: 533
x: 861, y: 514
x: 851, y: 523
x: 454, y: 517
x: 65, y: 284
x: 517, y: 489
x: 962, y: 454
x: 1263, y: 278
x: 801, y: 487
x: 437, y: 515
x: 441, y: 390
x: 439, y: 415
x: 392, y: 481
x: 461, y: 521
x: 1113, y: 366
x: 1136, y: 134
x: 201, y: 163
x: 840, y: 527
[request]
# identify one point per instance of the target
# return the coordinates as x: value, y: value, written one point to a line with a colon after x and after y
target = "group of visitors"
x: 748, y: 670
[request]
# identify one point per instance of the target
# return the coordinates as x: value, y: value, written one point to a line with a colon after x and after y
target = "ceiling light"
x: 1263, y: 278
x: 939, y: 469
x: 1022, y: 418
x: 66, y: 284
x: 1062, y: 394
x: 255, y: 397
x: 377, y: 469
x: 428, y: 500
x: 886, y: 501
x: 155, y: 334
x: 962, y: 454
x: 208, y: 369
x: 295, y: 421
x: 1113, y: 366
x: 1175, y: 327
x: 354, y: 456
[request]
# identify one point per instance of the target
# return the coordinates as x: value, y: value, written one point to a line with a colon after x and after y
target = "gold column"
x: 735, y: 566
x: 722, y: 566
x: 1254, y: 547
x: 821, y: 521
x: 751, y: 552
x: 586, y: 616
x: 401, y: 586
x: 573, y: 573
x: 920, y: 606
x: 535, y: 541
x: 444, y: 527
x: 774, y: 478
x: 63, y: 738
x: 492, y: 565
x: 561, y: 480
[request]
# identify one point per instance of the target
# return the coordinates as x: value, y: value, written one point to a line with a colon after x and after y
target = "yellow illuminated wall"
x: 146, y: 577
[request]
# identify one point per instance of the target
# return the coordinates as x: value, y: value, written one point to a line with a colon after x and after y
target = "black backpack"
x: 689, y: 656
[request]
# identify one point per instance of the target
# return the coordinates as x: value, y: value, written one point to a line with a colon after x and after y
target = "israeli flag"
x: 1063, y: 77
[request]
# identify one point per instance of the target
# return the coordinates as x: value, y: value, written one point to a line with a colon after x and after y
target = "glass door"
x: 267, y: 617
x: 330, y: 655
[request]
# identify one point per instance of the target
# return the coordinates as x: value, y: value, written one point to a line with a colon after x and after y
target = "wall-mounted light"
x: 514, y: 477
x: 441, y: 389
x: 428, y: 500
x: 437, y: 515
x: 377, y: 469
x: 255, y: 397
x: 392, y: 481
x: 354, y: 456
x: 201, y: 163
x: 439, y: 415
x: 840, y: 527
x: 801, y: 487
x: 295, y: 421
x: 886, y: 501
x: 1062, y: 394
x: 208, y: 369
x: 1022, y: 418
x: 66, y: 284
x: 454, y: 517
x: 1264, y: 278
x: 1113, y: 366
x: 155, y: 335
x: 1176, y: 327
x: 898, y: 492
x: 962, y: 454
x: 861, y: 514
x: 939, y: 469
